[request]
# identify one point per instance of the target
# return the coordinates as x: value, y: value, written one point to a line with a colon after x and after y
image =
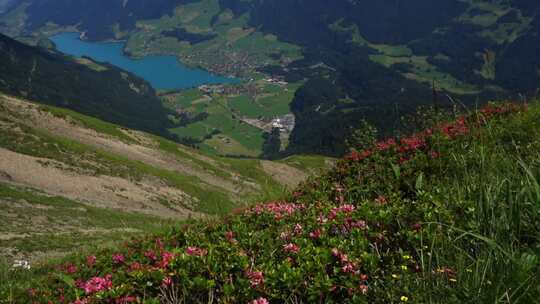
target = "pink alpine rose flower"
x: 286, y: 236
x: 256, y: 278
x: 259, y: 301
x: 360, y: 224
x: 166, y: 258
x: 135, y: 266
x: 195, y: 251
x: 229, y: 235
x: 315, y: 234
x: 322, y: 219
x: 166, y: 281
x: 363, y: 289
x: 380, y: 200
x: 292, y: 248
x: 298, y: 229
x: 70, y: 268
x: 97, y: 284
x: 345, y: 208
x: 118, y: 258
x: 150, y: 255
x: 90, y: 261
x: 125, y: 300
x: 348, y: 268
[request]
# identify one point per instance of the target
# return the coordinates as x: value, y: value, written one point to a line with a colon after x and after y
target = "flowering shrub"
x: 97, y: 284
x: 358, y: 234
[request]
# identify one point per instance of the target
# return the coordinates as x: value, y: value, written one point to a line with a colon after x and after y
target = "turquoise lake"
x: 163, y: 72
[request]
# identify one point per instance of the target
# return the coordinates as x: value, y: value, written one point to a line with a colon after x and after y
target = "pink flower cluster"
x: 279, y: 209
x: 491, y: 110
x: 285, y: 236
x: 166, y: 258
x: 97, y: 284
x: 167, y: 281
x: 125, y: 300
x: 195, y: 251
x: 381, y: 199
x: 358, y: 156
x: 349, y: 223
x: 346, y: 209
x: 118, y: 258
x: 150, y: 255
x: 411, y: 144
x: 455, y: 129
x: 322, y: 219
x: 363, y: 288
x: 70, y: 268
x: 298, y: 229
x: 386, y: 145
x: 315, y: 234
x: 256, y: 278
x: 418, y: 141
x: 135, y: 266
x: 229, y: 235
x: 347, y: 266
x: 291, y: 248
x: 259, y: 301
x: 159, y: 244
x: 90, y: 261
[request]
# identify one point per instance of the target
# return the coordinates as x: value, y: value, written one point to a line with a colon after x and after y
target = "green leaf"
x: 397, y: 171
x: 66, y: 279
x: 419, y: 181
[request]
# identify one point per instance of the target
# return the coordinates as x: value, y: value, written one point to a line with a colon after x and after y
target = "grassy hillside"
x: 69, y: 180
x: 450, y: 214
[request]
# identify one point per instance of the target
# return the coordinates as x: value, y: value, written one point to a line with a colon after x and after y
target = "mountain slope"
x: 447, y: 215
x: 112, y: 172
x: 99, y: 90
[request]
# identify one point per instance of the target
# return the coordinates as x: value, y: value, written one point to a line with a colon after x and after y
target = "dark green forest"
x: 100, y: 90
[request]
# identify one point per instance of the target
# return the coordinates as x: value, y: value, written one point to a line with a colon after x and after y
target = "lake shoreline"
x: 159, y: 70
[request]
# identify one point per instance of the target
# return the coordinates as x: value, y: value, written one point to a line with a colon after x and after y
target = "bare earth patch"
x: 101, y: 191
x: 144, y: 151
x: 286, y: 175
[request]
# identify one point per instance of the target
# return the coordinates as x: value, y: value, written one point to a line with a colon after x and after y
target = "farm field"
x: 235, y: 117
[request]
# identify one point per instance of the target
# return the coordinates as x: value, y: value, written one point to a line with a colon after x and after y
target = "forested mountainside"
x: 98, y: 17
x: 353, y: 56
x: 100, y: 90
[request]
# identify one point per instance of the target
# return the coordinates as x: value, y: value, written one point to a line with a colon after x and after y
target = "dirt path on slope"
x: 284, y: 174
x: 138, y: 152
x: 57, y: 178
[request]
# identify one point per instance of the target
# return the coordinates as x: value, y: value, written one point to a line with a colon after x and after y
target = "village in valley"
x: 220, y: 116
